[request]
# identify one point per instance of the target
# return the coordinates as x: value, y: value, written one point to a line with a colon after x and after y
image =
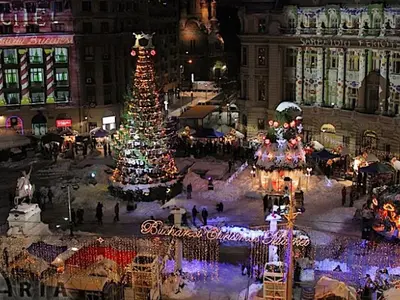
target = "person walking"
x: 189, y: 190
x: 229, y: 166
x: 6, y: 258
x: 99, y: 213
x: 204, y: 214
x: 105, y: 149
x: 343, y: 196
x: 194, y: 214
x: 73, y: 217
x: 116, y: 211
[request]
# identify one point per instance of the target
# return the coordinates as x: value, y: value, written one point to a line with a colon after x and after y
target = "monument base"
x: 26, y: 220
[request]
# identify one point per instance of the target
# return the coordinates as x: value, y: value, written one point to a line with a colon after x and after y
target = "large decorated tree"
x: 141, y: 145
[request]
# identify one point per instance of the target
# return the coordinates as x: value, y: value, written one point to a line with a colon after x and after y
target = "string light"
x: 142, y: 142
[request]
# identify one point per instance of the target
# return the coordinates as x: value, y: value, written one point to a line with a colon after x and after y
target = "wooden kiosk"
x: 274, y: 281
x: 146, y: 277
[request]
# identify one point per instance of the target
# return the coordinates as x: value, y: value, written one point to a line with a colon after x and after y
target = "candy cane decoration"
x: 1, y: 82
x: 24, y: 73
x: 49, y: 74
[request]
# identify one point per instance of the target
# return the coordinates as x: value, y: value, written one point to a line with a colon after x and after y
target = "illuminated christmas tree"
x: 142, y: 143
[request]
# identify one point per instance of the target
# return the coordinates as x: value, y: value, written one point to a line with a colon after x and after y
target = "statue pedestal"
x: 25, y: 219
x: 178, y: 213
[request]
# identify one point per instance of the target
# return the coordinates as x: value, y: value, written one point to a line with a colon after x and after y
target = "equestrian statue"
x: 25, y: 189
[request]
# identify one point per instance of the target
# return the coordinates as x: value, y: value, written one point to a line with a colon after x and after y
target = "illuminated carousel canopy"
x: 282, y: 147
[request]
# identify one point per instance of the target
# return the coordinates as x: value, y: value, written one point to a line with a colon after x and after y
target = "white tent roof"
x: 327, y: 287
x: 287, y: 105
x: 8, y: 141
x: 392, y: 294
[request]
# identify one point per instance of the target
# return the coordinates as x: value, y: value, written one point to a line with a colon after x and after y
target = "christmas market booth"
x: 385, y: 206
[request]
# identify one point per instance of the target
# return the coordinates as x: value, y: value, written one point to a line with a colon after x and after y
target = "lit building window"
x: 36, y: 55
x: 62, y: 96
x: 10, y: 56
x: 11, y: 76
x: 292, y: 23
x: 376, y: 61
x: 396, y: 63
x: 311, y: 21
x: 353, y: 97
x: 332, y: 94
x: 261, y: 56
x: 333, y: 60
x: 261, y: 124
x: 262, y: 25
x: 310, y: 93
x: 12, y: 98
x: 291, y: 57
x: 37, y: 98
x: 262, y: 90
x: 353, y: 61
x: 62, y: 77
x: 36, y: 75
x: 311, y: 59
x: 61, y: 55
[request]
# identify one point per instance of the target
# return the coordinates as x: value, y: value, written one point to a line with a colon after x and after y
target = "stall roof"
x: 198, y: 112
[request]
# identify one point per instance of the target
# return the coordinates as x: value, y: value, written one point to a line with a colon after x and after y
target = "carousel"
x: 281, y: 156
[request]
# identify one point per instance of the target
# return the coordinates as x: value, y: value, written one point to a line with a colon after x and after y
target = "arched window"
x: 370, y: 140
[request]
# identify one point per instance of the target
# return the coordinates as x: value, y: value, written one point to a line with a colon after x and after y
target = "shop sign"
x: 37, y: 40
x: 63, y: 123
x: 347, y: 43
x: 23, y: 18
x: 109, y: 120
x: 277, y: 238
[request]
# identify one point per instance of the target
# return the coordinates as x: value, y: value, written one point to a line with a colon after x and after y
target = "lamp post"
x: 291, y: 217
x: 68, y: 186
x: 181, y: 70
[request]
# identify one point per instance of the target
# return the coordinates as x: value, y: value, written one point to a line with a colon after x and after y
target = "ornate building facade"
x: 201, y: 45
x: 67, y: 63
x: 340, y: 63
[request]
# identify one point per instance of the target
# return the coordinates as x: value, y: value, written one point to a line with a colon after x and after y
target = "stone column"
x: 320, y: 75
x: 299, y: 76
x: 383, y: 81
x: 360, y: 105
x: 24, y: 75
x: 341, y: 77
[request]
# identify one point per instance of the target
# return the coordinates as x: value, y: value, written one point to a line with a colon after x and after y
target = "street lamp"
x: 68, y: 186
x: 181, y: 70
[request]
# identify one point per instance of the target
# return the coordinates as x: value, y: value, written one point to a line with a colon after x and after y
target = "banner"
x: 43, y: 40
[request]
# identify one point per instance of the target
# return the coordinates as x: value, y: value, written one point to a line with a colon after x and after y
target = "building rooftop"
x: 198, y: 112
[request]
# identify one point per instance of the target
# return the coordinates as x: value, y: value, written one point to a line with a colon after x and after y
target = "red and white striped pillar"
x: 23, y: 65
x: 2, y: 100
x: 49, y: 76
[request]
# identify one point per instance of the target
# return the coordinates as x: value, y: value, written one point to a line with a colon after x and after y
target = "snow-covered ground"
x: 325, y: 220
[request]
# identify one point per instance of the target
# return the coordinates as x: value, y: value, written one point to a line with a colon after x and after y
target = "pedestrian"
x: 109, y: 149
x: 352, y: 197
x: 105, y: 149
x: 73, y: 217
x: 50, y: 196
x: 116, y: 211
x: 204, y: 214
x: 343, y: 196
x: 79, y: 215
x: 229, y: 166
x: 99, y: 213
x: 189, y: 190
x: 194, y: 214
x: 6, y: 258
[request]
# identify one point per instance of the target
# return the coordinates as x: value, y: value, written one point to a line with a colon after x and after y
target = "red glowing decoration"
x: 299, y: 138
x: 133, y: 53
x: 375, y: 201
x: 286, y: 125
x: 267, y: 141
x: 293, y: 124
x: 293, y: 141
x: 271, y: 123
x: 153, y: 52
x: 389, y: 207
x: 276, y: 124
